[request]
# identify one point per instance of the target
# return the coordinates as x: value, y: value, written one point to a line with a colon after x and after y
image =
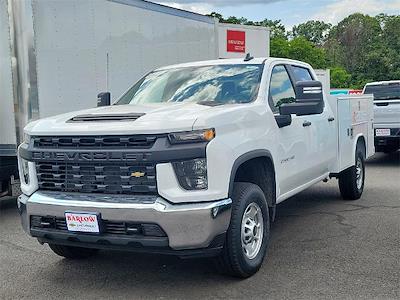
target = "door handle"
x: 331, y: 119
x: 306, y: 123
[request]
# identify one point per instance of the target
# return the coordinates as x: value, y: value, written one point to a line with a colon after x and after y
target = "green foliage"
x: 358, y: 49
x: 300, y: 49
x: 313, y: 31
x: 353, y: 38
x: 340, y: 78
x: 285, y: 100
x: 277, y: 29
x: 367, y: 47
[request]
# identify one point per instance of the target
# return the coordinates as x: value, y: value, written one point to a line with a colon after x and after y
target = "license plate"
x: 382, y: 132
x: 82, y: 222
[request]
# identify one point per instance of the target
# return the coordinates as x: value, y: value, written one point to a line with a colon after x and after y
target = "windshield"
x: 384, y: 92
x: 221, y: 84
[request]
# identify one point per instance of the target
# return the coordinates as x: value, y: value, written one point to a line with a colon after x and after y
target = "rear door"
x: 321, y: 134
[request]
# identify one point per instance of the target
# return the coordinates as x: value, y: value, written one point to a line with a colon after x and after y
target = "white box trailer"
x: 324, y: 75
x: 8, y: 136
x: 234, y: 41
x: 56, y: 56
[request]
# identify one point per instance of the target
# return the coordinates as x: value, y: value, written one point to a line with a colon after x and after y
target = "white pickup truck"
x: 191, y: 160
x: 386, y: 114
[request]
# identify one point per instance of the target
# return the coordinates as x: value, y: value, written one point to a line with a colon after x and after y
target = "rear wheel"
x: 248, y: 234
x: 72, y: 252
x: 351, y: 180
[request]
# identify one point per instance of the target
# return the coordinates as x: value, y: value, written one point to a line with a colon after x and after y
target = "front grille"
x: 107, y: 227
x: 117, y: 178
x: 95, y: 142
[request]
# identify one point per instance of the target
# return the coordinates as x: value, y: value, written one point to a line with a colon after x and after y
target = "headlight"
x: 194, y: 136
x: 25, y: 170
x: 192, y: 174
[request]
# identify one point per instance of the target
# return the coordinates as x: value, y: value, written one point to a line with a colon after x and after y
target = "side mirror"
x: 309, y: 99
x: 103, y: 99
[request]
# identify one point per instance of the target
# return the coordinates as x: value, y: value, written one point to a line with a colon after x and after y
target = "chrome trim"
x: 119, y: 201
x: 108, y: 198
x: 188, y: 225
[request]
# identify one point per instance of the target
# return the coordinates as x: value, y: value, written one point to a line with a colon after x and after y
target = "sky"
x: 291, y: 12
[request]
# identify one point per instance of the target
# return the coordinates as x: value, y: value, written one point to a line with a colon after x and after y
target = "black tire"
x: 233, y: 260
x: 72, y: 252
x: 348, y: 180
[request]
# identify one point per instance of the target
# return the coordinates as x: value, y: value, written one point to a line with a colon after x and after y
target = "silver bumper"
x: 188, y: 226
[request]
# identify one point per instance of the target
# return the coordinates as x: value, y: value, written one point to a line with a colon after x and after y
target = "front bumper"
x: 193, y: 226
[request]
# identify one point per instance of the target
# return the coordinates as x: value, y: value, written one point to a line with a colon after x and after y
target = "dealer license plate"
x: 382, y: 132
x: 82, y: 222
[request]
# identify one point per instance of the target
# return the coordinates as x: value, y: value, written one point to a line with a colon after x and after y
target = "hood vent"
x: 110, y: 117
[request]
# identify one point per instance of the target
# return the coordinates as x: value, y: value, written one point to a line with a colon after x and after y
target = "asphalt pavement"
x: 321, y: 247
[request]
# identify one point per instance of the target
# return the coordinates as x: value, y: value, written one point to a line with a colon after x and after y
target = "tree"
x: 300, y: 49
x: 340, y: 78
x: 352, y: 39
x: 359, y: 49
x: 313, y: 31
x: 216, y: 15
x: 277, y: 29
x: 391, y: 35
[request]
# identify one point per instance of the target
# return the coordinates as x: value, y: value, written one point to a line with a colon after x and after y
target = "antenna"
x: 248, y: 57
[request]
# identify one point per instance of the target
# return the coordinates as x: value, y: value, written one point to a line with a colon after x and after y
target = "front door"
x: 293, y: 146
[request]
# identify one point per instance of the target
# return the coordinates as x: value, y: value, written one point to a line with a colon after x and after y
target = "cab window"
x: 301, y: 74
x: 281, y: 89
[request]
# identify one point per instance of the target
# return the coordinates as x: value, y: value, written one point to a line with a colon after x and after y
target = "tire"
x: 351, y: 180
x: 72, y: 252
x: 234, y: 260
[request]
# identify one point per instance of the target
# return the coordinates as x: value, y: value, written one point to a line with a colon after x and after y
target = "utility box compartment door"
x: 355, y: 118
x: 345, y: 151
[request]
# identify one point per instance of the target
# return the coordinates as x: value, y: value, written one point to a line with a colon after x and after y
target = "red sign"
x: 235, y: 41
x: 355, y: 92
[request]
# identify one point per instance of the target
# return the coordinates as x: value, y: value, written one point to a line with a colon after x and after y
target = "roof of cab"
x: 233, y: 61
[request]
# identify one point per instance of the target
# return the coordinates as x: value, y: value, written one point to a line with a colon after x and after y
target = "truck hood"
x: 153, y: 118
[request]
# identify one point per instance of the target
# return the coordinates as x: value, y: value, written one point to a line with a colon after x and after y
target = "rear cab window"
x: 386, y: 91
x: 301, y: 73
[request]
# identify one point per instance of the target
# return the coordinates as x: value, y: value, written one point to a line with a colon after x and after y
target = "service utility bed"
x: 355, y: 117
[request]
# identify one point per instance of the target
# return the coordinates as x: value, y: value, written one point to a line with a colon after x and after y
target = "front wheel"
x: 248, y: 234
x: 351, y: 180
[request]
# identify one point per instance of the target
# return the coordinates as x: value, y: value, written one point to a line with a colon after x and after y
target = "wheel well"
x: 260, y: 171
x: 361, y: 143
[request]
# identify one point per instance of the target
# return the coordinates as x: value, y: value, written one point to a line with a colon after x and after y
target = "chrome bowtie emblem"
x: 137, y: 174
